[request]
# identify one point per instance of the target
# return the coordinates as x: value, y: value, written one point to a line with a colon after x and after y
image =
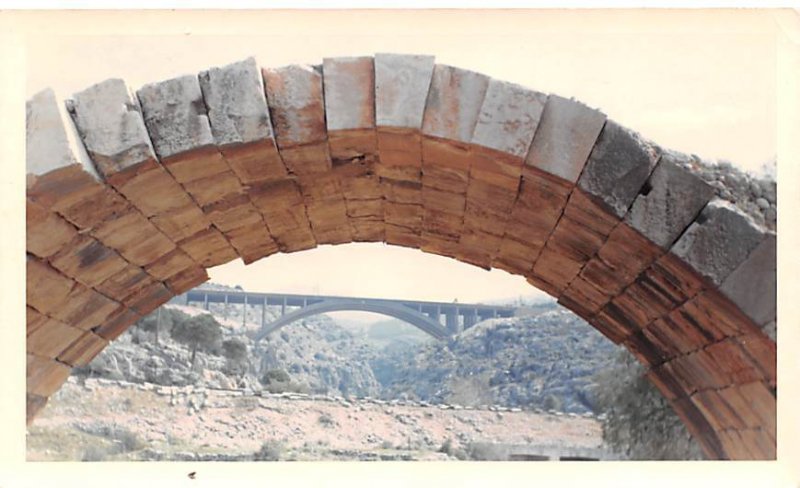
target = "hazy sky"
x: 699, y: 82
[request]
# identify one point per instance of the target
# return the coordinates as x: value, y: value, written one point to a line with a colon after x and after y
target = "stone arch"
x: 131, y: 196
x: 408, y: 315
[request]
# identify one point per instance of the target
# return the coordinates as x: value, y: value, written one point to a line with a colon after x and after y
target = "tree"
x: 639, y: 422
x: 162, y: 320
x: 235, y: 351
x: 200, y: 332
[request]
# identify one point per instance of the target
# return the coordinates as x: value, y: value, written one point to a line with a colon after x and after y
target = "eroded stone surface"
x: 508, y: 118
x: 237, y: 106
x: 51, y: 141
x: 673, y: 199
x: 718, y: 241
x: 110, y: 122
x: 175, y: 115
x: 454, y: 102
x: 618, y: 167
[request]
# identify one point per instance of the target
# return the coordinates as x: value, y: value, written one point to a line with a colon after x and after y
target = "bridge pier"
x: 244, y: 312
x: 205, y: 301
x: 452, y: 324
x: 470, y: 318
x: 283, y: 307
x: 225, y: 313
x: 264, y: 313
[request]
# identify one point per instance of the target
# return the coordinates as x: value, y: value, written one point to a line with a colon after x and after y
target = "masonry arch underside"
x: 132, y: 196
x: 407, y: 315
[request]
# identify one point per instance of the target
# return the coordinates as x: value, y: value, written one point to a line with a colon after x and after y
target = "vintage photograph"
x: 401, y: 235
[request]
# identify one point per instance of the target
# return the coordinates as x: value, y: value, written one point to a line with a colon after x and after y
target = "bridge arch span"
x: 132, y: 196
x: 418, y: 320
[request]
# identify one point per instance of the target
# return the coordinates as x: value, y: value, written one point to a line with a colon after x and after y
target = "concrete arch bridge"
x: 426, y: 316
x: 131, y: 196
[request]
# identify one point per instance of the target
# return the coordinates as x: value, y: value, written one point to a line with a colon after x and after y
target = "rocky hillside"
x: 544, y: 360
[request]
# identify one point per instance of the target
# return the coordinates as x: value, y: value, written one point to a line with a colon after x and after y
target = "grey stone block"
x: 508, y: 119
x: 51, y: 141
x: 670, y: 200
x: 454, y: 103
x: 564, y: 138
x: 111, y: 126
x: 753, y: 285
x: 401, y: 88
x: 294, y: 96
x: 349, y: 86
x: 719, y: 241
x: 175, y: 115
x: 618, y: 167
x: 237, y: 106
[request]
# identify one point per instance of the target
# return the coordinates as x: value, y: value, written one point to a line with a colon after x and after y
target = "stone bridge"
x: 426, y: 316
x: 131, y: 196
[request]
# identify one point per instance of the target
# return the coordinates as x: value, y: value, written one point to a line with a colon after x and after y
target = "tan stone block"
x: 252, y: 242
x: 763, y: 352
x: 763, y: 403
x: 88, y: 261
x: 213, y: 188
x: 125, y: 283
x: 181, y: 222
x: 296, y: 104
x: 495, y: 168
x: 445, y: 165
x: 134, y: 237
x: 169, y: 265
x: 149, y: 298
x: 366, y: 230
x: 445, y: 225
x: 44, y: 376
x: 515, y: 257
x: 152, y: 190
x: 232, y: 212
x: 256, y: 161
x: 435, y: 243
x: 83, y: 350
x: 62, y: 187
x: 103, y: 205
x: 402, y: 236
x: 208, y: 248
x: 84, y: 308
x: 34, y: 320
x: 276, y: 194
x: 117, y: 323
x: 51, y: 338
x: 556, y: 268
x: 46, y: 233
x: 403, y: 192
x: 46, y: 288
x: 308, y: 160
x: 403, y: 214
x: 582, y: 292
x: 443, y: 201
x: 187, y: 279
x: 298, y: 239
x: 365, y: 208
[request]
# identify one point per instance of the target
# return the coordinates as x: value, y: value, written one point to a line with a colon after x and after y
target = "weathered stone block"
x: 618, y: 167
x: 134, y: 237
x: 718, y: 241
x: 33, y: 405
x: 84, y: 308
x: 294, y: 96
x: 752, y: 286
x: 175, y: 116
x: 110, y: 123
x: 564, y: 138
x: 187, y: 279
x: 669, y: 201
x: 125, y: 283
x: 349, y: 86
x: 401, y: 89
x: 508, y: 118
x: 454, y: 102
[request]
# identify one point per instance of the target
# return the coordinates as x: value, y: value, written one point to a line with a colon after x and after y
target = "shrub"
x: 639, y: 422
x: 200, y: 332
x: 95, y: 453
x: 326, y: 420
x: 270, y: 451
x: 482, y: 451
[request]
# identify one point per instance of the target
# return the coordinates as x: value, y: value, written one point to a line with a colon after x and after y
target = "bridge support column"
x: 244, y: 312
x: 205, y: 301
x: 451, y: 321
x: 283, y: 307
x: 225, y: 313
x: 470, y: 318
x: 187, y: 298
x: 264, y: 313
